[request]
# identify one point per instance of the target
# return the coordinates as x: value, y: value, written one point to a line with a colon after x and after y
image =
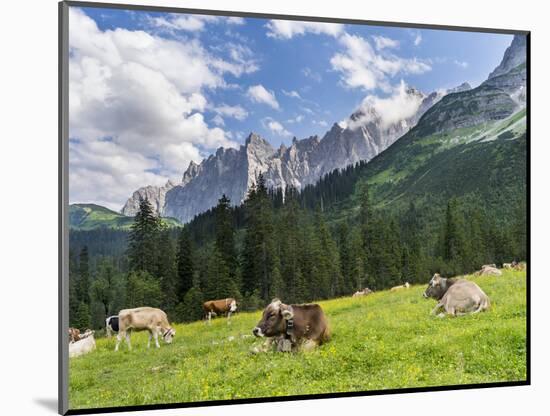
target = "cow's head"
x: 436, y: 288
x: 233, y: 306
x: 168, y: 335
x: 274, y: 319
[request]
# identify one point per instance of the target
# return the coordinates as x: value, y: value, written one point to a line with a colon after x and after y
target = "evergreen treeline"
x: 282, y: 244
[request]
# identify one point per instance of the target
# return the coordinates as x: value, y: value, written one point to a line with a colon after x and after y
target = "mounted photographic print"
x: 265, y: 207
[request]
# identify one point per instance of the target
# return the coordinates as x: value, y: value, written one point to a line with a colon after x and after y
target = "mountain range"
x: 452, y: 118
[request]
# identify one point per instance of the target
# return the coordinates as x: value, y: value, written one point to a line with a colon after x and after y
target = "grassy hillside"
x: 385, y: 340
x: 92, y: 216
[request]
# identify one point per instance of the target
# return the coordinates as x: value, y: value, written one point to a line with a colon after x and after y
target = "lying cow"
x: 456, y: 296
x: 111, y: 325
x: 144, y: 319
x: 396, y: 288
x: 366, y: 291
x: 507, y: 266
x: 292, y: 327
x: 488, y: 270
x: 84, y: 345
x: 74, y: 335
x: 219, y: 307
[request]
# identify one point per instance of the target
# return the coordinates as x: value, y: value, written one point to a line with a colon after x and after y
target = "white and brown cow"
x: 366, y: 291
x: 84, y: 345
x: 456, y: 296
x: 219, y: 307
x: 74, y: 335
x: 144, y: 318
x: 292, y: 327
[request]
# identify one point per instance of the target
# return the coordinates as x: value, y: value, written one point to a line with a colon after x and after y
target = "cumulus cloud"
x: 382, y: 42
x: 190, y: 23
x: 399, y: 105
x: 275, y: 127
x: 138, y: 98
x: 287, y: 29
x: 362, y: 67
x: 259, y: 94
x: 236, y: 112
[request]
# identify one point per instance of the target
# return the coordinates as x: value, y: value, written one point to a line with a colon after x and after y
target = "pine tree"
x: 83, y: 292
x: 143, y: 239
x: 143, y: 290
x: 225, y: 236
x: 166, y: 270
x: 185, y: 266
x: 455, y: 251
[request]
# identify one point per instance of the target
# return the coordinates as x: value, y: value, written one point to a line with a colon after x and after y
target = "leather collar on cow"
x: 289, y: 326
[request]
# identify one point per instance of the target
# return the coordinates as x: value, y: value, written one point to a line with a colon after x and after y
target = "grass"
x: 385, y: 340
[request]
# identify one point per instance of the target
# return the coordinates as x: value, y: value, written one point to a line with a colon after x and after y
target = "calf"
x: 456, y: 296
x: 111, y: 325
x: 293, y: 326
x: 219, y: 307
x: 83, y: 346
x: 396, y: 288
x: 144, y: 319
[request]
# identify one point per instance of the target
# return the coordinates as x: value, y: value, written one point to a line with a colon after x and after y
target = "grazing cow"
x: 396, y: 288
x: 366, y: 291
x: 219, y: 307
x: 456, y: 296
x: 84, y: 345
x: 507, y: 266
x: 292, y: 327
x: 488, y: 270
x: 74, y: 335
x: 111, y: 325
x: 144, y: 319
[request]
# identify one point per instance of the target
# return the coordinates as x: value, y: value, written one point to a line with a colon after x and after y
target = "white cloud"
x: 361, y: 67
x: 309, y: 73
x: 321, y: 123
x: 259, y: 94
x: 237, y: 112
x: 462, y: 64
x: 287, y: 29
x: 142, y: 93
x: 382, y: 42
x: 417, y: 39
x: 240, y: 60
x: 275, y: 127
x: 190, y: 23
x: 298, y: 119
x: 218, y: 120
x: 398, y: 106
x: 292, y: 94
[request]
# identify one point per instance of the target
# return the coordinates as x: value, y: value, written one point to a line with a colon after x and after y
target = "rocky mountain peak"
x: 515, y: 55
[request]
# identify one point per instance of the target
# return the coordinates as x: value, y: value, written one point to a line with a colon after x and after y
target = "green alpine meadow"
x: 381, y: 341
x: 240, y: 188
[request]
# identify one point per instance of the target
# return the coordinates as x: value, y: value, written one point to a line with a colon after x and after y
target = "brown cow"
x: 292, y: 326
x: 74, y: 335
x: 219, y: 307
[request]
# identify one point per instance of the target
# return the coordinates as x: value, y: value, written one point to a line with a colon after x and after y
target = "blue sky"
x: 150, y: 92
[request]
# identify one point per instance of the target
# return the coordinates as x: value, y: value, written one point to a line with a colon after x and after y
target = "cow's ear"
x: 287, y: 313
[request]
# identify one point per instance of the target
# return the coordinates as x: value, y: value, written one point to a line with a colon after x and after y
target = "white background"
x: 28, y: 205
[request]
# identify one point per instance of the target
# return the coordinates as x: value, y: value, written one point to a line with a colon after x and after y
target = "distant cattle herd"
x: 289, y: 328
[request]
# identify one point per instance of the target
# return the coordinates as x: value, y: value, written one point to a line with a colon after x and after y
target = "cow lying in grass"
x: 144, y: 319
x: 74, y: 335
x: 401, y: 287
x: 366, y: 291
x: 84, y: 345
x: 456, y: 296
x: 292, y: 327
